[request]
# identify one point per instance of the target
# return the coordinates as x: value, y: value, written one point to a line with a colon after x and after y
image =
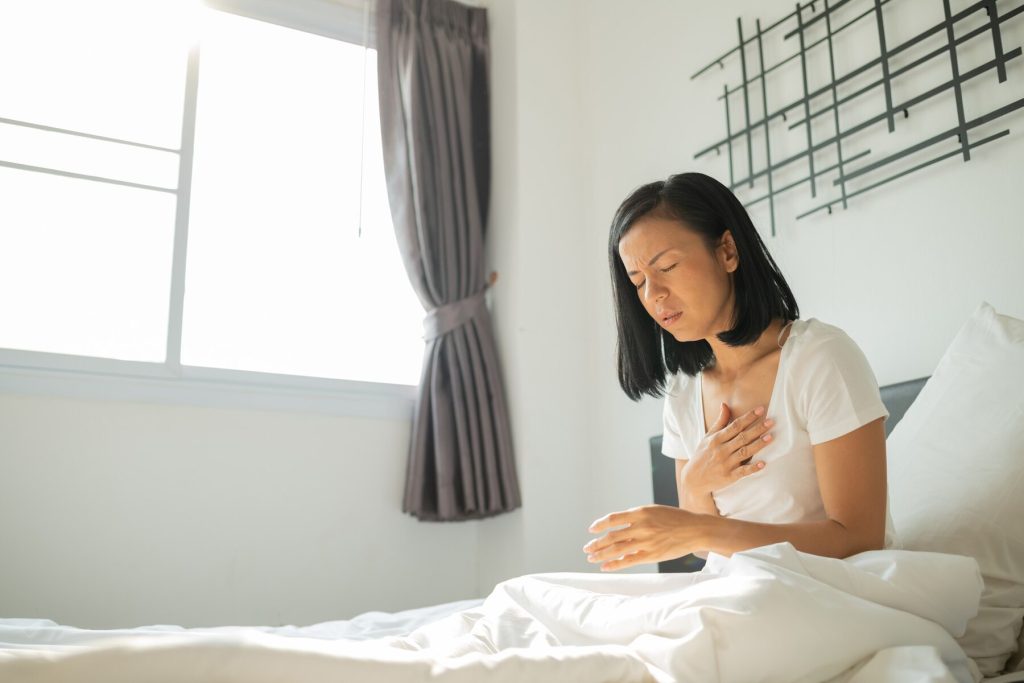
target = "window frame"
x: 78, y: 376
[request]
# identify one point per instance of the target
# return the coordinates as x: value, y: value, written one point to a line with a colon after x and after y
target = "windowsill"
x: 65, y: 376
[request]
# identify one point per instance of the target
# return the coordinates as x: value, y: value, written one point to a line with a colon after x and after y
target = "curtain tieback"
x: 446, y: 318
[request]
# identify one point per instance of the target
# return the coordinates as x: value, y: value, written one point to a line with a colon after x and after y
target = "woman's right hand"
x: 725, y: 451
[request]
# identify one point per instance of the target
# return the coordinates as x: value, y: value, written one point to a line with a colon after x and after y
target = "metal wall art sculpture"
x: 810, y: 35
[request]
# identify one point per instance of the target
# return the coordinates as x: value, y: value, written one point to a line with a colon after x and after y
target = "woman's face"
x: 685, y: 286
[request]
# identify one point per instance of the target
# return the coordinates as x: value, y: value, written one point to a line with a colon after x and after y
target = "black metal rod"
x: 746, y: 103
x: 861, y: 69
x: 883, y: 56
x: 875, y: 119
x: 807, y: 102
x: 740, y: 46
x: 728, y: 126
x: 1001, y: 65
x: 835, y: 110
x: 956, y: 130
x: 997, y: 38
x: 793, y: 56
x: 767, y: 138
x: 907, y: 171
x: 815, y: 19
x: 958, y: 94
x: 801, y: 181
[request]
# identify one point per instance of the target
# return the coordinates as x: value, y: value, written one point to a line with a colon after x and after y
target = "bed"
x: 947, y: 606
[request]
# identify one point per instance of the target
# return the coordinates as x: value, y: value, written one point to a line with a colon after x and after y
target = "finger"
x: 723, y: 418
x: 614, y: 551
x: 609, y: 538
x: 609, y: 521
x: 639, y: 557
x: 746, y: 470
x: 743, y: 454
x: 740, y: 423
x: 756, y: 433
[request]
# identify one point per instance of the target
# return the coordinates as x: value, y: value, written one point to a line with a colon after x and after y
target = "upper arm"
x: 852, y: 479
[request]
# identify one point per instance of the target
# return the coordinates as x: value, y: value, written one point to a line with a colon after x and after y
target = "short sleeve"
x: 672, y: 443
x: 841, y: 392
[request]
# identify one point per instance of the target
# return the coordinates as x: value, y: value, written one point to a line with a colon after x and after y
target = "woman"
x: 776, y: 423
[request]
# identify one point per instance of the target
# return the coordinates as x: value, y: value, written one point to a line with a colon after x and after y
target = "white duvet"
x: 767, y: 614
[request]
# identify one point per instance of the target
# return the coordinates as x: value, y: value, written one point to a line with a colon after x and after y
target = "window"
x: 85, y: 265
x: 276, y: 261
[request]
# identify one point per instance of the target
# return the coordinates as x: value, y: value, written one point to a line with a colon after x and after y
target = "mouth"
x: 670, y: 318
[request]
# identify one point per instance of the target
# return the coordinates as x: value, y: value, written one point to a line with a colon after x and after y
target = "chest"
x: 754, y: 388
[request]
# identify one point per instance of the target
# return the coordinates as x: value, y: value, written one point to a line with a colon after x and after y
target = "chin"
x: 679, y: 337
x: 683, y: 336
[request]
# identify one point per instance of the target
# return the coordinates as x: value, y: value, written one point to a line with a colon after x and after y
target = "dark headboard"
x: 897, y: 398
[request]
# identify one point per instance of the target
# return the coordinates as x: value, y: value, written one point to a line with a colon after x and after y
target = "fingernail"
x: 767, y: 437
x: 760, y: 465
x: 759, y: 410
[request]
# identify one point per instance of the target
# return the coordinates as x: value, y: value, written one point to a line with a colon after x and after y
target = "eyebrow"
x: 657, y: 256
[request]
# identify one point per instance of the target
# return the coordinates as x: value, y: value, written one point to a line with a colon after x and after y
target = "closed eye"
x: 664, y: 270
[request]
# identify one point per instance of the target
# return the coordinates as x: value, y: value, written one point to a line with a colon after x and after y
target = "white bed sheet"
x: 770, y: 613
x: 45, y: 634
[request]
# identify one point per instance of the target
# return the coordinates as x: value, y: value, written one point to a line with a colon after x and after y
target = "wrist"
x: 694, y: 495
x: 708, y: 528
x: 687, y: 484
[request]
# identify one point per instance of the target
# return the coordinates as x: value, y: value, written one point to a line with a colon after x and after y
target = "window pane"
x: 107, y: 67
x: 85, y: 267
x: 278, y: 279
x: 23, y: 145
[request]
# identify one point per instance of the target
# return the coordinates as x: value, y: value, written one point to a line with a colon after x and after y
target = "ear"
x: 727, y: 253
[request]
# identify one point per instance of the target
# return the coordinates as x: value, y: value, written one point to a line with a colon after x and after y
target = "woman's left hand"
x: 650, y: 533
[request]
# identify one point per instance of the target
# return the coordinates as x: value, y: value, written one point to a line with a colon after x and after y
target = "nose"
x: 654, y: 291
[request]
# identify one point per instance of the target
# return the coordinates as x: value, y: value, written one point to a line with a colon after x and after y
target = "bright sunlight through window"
x: 292, y: 265
x: 85, y: 266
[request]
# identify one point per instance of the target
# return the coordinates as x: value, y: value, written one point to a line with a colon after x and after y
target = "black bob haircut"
x: 647, y: 353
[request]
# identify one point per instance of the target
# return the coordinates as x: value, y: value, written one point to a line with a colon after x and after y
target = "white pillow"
x: 956, y: 474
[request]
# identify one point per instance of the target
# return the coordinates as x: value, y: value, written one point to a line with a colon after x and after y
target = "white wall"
x: 120, y: 514
x: 541, y: 302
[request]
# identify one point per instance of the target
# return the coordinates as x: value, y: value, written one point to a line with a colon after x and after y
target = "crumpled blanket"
x: 768, y: 614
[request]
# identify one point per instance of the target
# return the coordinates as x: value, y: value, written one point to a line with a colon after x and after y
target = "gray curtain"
x: 433, y: 78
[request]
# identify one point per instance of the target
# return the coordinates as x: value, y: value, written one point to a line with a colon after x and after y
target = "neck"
x: 732, y: 361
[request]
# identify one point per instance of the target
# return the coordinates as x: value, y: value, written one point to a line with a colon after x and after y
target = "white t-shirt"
x: 824, y: 388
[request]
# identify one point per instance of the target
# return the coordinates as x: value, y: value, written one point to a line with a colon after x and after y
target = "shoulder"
x: 677, y: 416
x: 815, y: 340
x: 679, y: 396
x: 813, y: 330
x: 678, y: 387
x: 838, y: 390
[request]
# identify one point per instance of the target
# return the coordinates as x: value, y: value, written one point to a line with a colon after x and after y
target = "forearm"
x: 827, y: 538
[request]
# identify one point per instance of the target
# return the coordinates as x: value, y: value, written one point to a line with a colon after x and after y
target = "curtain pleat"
x: 432, y: 60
